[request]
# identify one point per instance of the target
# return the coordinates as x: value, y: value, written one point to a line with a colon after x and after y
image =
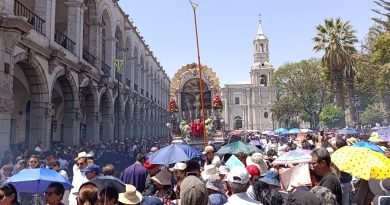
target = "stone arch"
x: 129, y: 119
x: 38, y: 100
x: 118, y: 117
x: 89, y: 124
x: 136, y: 117
x: 65, y: 106
x: 136, y: 67
x: 128, y: 65
x: 90, y: 31
x: 106, y: 116
x: 119, y: 42
x: 107, y: 39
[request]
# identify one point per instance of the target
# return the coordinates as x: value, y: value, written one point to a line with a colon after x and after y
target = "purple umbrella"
x: 294, y: 156
x: 385, y: 138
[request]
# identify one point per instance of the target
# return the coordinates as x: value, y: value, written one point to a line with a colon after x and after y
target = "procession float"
x: 185, y: 106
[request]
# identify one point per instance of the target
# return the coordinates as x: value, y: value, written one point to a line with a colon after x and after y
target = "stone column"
x: 75, y: 24
x: 46, y: 10
x: 122, y: 121
x: 71, y: 128
x: 93, y: 128
x: 108, y: 126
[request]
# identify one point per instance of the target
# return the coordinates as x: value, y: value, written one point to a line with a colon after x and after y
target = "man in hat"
x: 211, y: 157
x: 78, y: 177
x: 152, y: 169
x: 193, y: 191
x: 239, y: 181
x: 320, y: 163
x: 136, y: 173
x: 91, y: 171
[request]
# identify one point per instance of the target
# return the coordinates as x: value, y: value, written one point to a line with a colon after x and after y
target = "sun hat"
x: 258, y: 159
x: 178, y: 166
x: 131, y: 196
x: 238, y: 175
x: 271, y: 178
x: 223, y: 170
x: 379, y: 187
x: 193, y: 191
x: 208, y: 149
x: 214, y: 182
x: 82, y: 155
x: 253, y: 170
x: 147, y: 165
x: 153, y: 149
x: 209, y: 170
x: 163, y: 177
x: 351, y: 141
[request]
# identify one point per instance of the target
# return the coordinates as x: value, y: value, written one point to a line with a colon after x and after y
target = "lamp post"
x: 118, y: 68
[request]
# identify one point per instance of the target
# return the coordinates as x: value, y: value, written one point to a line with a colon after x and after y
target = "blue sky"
x: 227, y: 27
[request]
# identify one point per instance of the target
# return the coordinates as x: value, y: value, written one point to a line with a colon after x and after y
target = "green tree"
x: 337, y: 38
x: 383, y: 25
x: 374, y: 114
x: 332, y: 116
x: 284, y: 110
x: 305, y: 83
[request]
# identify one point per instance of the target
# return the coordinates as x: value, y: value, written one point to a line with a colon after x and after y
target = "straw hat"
x: 163, y: 177
x: 178, y: 166
x: 82, y: 155
x: 209, y: 170
x: 131, y: 196
x: 258, y: 160
x: 351, y: 141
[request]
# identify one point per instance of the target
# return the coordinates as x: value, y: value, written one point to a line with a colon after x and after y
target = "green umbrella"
x: 236, y: 147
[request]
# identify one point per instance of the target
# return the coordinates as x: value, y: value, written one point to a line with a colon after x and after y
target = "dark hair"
x: 59, y: 188
x: 272, y: 152
x: 53, y: 164
x: 110, y: 193
x: 34, y: 156
x: 141, y: 157
x: 272, y: 197
x: 108, y: 170
x: 341, y: 143
x: 322, y: 154
x: 307, y: 145
x: 192, y: 165
x: 260, y: 188
x: 9, y: 189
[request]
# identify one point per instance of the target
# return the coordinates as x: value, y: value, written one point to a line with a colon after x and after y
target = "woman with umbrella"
x: 8, y: 195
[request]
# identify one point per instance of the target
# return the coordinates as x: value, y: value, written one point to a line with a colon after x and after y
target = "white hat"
x: 238, y: 175
x: 82, y: 155
x: 178, y: 166
x: 131, y: 196
x: 153, y: 149
x: 209, y: 170
x: 163, y: 177
x: 208, y: 149
x: 258, y: 160
x: 223, y: 170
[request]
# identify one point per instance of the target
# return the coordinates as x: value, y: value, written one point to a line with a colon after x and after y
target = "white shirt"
x: 241, y: 199
x: 78, y: 179
x: 216, y: 161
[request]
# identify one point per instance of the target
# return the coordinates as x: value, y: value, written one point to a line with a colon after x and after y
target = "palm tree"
x: 337, y: 38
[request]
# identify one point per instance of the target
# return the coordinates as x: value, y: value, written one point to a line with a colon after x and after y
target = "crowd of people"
x: 200, y: 181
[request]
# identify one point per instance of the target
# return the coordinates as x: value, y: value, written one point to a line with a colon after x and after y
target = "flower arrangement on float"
x: 173, y: 107
x: 217, y: 103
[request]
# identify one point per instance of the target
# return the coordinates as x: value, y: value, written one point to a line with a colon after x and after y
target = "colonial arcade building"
x: 58, y: 81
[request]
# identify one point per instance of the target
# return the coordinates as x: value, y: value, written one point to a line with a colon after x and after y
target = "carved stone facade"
x: 248, y: 106
x: 57, y: 76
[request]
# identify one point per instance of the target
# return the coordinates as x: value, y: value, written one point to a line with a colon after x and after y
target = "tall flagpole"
x: 194, y: 7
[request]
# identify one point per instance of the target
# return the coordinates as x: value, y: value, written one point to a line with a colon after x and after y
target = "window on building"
x: 237, y: 100
x: 263, y: 80
x: 265, y: 114
x: 237, y: 122
x: 262, y: 48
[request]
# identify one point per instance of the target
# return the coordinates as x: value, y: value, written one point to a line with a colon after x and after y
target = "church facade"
x: 248, y: 106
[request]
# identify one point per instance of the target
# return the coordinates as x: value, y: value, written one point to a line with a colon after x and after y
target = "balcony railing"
x: 106, y: 70
x: 64, y: 41
x: 89, y: 57
x: 136, y: 87
x: 34, y: 20
x: 128, y: 82
x: 118, y: 76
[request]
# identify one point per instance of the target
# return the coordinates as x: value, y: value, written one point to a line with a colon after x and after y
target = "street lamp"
x: 169, y: 126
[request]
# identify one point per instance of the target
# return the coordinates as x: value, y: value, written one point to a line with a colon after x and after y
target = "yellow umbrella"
x: 362, y: 162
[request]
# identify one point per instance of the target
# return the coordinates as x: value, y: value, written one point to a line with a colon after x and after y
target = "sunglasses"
x: 33, y: 162
x: 80, y: 164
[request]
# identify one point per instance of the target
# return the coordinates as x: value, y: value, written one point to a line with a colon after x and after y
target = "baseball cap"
x: 381, y: 187
x: 208, y: 149
x: 91, y: 168
x: 214, y: 182
x: 238, y: 175
x: 147, y: 165
x: 193, y: 191
x: 253, y: 170
x: 178, y: 166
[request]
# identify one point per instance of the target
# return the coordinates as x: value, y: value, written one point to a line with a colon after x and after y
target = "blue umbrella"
x: 370, y: 146
x: 346, y: 131
x: 174, y: 153
x: 281, y: 130
x: 36, y: 180
x: 109, y: 181
x: 294, y: 131
x: 384, y: 131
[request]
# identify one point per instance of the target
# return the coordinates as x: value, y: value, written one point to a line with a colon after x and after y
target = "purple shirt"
x: 136, y: 175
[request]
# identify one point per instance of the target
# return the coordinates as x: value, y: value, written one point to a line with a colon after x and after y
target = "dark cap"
x: 91, y: 168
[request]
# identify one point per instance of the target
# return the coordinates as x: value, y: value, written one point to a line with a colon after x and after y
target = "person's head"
x: 238, y: 179
x: 272, y: 196
x: 82, y: 162
x: 108, y: 196
x: 7, y: 170
x: 320, y: 161
x: 214, y: 184
x: 108, y: 170
x: 54, y: 193
x: 55, y: 165
x: 209, y: 152
x: 242, y: 157
x: 131, y: 196
x: 162, y: 180
x: 300, y: 197
x: 21, y: 164
x: 141, y: 158
x: 179, y: 171
x: 341, y: 143
x: 88, y: 194
x: 91, y: 171
x: 260, y: 188
x: 193, y: 168
x: 326, y: 196
x: 253, y: 171
x: 33, y: 161
x: 8, y: 194
x: 153, y: 169
x: 307, y: 145
x: 193, y: 191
